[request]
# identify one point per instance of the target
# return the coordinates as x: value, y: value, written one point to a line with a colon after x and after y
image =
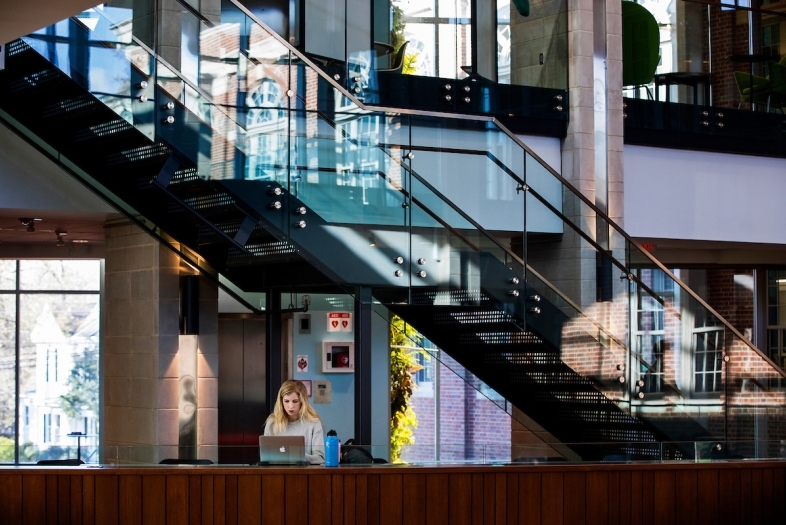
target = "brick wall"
x: 470, y: 426
x: 729, y: 31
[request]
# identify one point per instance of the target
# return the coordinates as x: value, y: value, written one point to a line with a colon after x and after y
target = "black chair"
x: 175, y: 461
x: 397, y: 60
x: 60, y: 462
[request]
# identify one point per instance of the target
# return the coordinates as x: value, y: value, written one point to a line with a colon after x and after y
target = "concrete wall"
x: 142, y: 350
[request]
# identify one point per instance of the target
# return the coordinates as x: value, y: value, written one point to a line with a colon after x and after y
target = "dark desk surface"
x: 751, y: 58
x: 684, y: 76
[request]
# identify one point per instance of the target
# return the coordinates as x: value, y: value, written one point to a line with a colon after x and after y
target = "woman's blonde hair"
x: 279, y: 415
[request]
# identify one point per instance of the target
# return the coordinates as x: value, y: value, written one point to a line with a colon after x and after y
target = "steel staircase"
x: 263, y: 234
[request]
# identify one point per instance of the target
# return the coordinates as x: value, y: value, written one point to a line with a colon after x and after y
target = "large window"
x: 49, y: 341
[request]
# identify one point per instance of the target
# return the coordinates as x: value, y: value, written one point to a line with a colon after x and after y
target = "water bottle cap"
x: 332, y: 432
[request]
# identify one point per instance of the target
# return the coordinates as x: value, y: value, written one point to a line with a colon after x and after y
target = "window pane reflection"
x: 59, y: 275
x: 59, y: 372
x: 7, y: 275
x: 7, y: 373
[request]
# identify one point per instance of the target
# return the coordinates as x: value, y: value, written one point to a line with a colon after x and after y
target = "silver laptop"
x: 282, y: 450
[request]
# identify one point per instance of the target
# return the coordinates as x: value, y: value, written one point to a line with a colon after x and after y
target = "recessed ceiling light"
x: 80, y: 241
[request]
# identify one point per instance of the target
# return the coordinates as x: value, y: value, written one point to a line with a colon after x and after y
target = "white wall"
x: 31, y: 181
x: 693, y: 195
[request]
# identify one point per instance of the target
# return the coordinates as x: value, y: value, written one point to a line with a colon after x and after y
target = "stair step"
x: 256, y: 252
x: 104, y: 134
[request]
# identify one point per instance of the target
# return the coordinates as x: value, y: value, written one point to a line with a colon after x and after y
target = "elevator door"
x: 241, y: 387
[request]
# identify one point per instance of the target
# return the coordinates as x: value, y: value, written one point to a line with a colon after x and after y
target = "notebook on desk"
x: 282, y: 450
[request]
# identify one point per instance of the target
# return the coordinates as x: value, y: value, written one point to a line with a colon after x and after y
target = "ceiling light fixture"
x: 30, y: 223
x: 80, y: 241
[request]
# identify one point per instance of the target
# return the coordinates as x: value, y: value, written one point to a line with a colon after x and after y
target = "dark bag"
x: 351, y: 453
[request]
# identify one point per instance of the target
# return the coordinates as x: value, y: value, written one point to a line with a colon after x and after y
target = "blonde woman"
x: 294, y: 416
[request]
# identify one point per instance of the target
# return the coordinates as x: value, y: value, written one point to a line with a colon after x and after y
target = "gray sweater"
x: 312, y: 431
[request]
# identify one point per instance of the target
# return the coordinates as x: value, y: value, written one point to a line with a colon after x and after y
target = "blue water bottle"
x: 332, y: 449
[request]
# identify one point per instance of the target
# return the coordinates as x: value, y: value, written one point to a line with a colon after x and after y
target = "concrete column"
x: 141, y: 343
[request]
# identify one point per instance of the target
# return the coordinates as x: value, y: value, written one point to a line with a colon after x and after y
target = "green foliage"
x: 397, y: 31
x: 82, y: 386
x: 410, y: 66
x: 27, y: 452
x: 403, y: 363
x: 6, y: 449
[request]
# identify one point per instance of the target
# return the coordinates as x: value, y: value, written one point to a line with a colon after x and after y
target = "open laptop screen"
x: 282, y: 450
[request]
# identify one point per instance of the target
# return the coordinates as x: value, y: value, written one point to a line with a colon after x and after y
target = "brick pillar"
x: 141, y: 344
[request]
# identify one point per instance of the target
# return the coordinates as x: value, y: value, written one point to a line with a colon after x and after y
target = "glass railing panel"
x: 755, y: 399
x: 444, y: 392
x: 83, y: 55
x: 676, y: 359
x: 454, y: 154
x: 450, y: 451
x: 588, y: 330
x: 693, y: 374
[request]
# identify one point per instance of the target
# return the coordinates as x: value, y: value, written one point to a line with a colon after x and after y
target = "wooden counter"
x: 640, y: 494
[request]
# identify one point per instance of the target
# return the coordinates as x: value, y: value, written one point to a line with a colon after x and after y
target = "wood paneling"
x: 219, y: 501
x: 272, y: 496
x: 707, y: 501
x: 107, y: 500
x: 296, y: 505
x: 614, y: 498
x: 597, y: 503
x: 207, y: 500
x: 529, y: 498
x: 413, y: 493
x: 648, y: 498
x: 664, y: 500
x: 779, y: 496
x: 391, y: 490
x: 512, y: 497
x: 625, y: 499
x: 570, y: 494
x: 685, y: 497
x: 34, y: 499
x: 350, y: 509
x: 460, y: 487
x: 319, y: 500
x: 195, y: 500
x: 130, y: 500
x: 11, y: 502
x: 574, y: 503
x: 437, y: 499
x: 729, y: 494
x: 89, y: 500
x: 249, y: 500
x: 76, y: 499
x: 552, y: 497
x: 176, y: 499
x: 153, y: 500
x: 231, y: 500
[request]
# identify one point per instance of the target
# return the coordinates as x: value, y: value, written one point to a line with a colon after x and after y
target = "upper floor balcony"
x: 706, y: 74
